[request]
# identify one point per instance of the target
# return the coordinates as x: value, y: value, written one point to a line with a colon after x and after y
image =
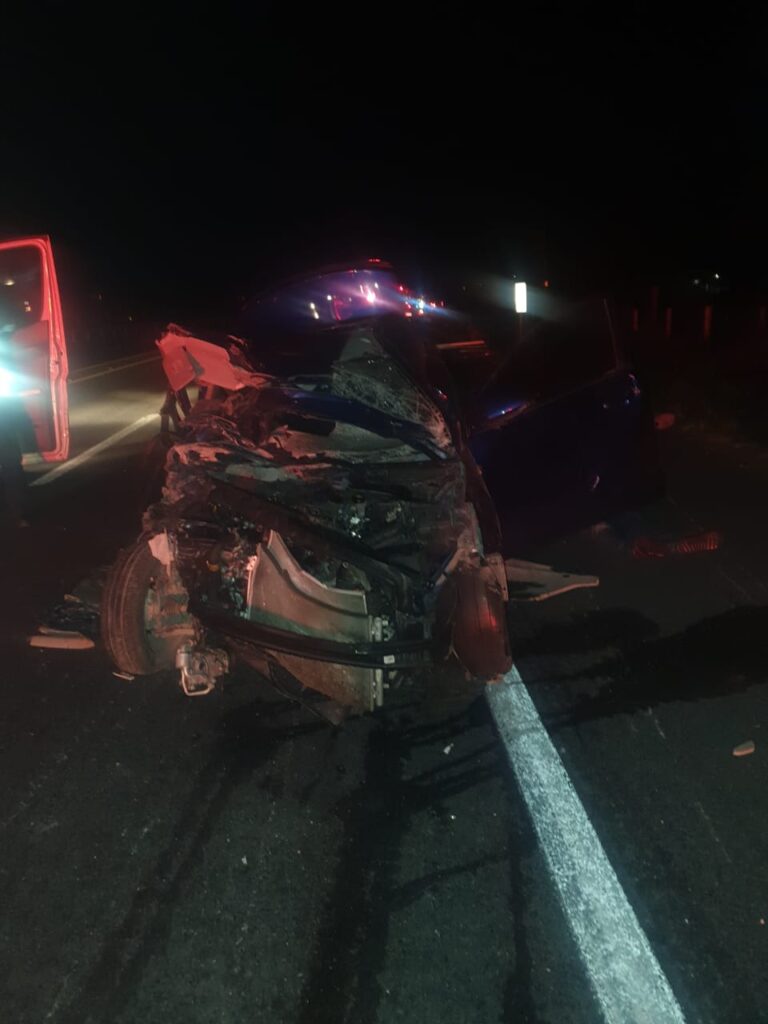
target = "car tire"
x: 124, y: 631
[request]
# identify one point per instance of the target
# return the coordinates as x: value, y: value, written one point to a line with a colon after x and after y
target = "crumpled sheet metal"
x: 531, y: 581
x: 355, y: 468
x: 161, y: 548
x: 380, y: 384
x: 281, y: 593
x: 188, y: 360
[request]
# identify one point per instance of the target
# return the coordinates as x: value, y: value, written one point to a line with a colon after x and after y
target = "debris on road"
x: 72, y: 616
x: 647, y: 547
x: 61, y: 640
x: 708, y: 541
x: 530, y: 581
x: 743, y: 749
x: 664, y: 420
x: 50, y: 631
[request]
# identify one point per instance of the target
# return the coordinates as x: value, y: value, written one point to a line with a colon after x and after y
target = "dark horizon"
x: 630, y: 150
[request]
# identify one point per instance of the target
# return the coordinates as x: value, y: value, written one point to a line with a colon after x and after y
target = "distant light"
x: 696, y: 280
x: 375, y: 284
x: 717, y: 277
x: 315, y: 314
x: 329, y: 297
x: 27, y: 306
x: 9, y: 282
x: 521, y: 297
x: 312, y: 306
x: 546, y: 283
x: 370, y: 295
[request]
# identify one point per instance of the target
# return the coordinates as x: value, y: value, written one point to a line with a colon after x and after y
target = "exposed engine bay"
x: 330, y: 529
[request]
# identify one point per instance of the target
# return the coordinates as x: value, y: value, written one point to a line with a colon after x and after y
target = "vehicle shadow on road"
x: 716, y: 656
x: 623, y: 629
x: 351, y: 949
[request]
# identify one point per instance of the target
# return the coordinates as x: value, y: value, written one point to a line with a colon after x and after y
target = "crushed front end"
x: 322, y: 527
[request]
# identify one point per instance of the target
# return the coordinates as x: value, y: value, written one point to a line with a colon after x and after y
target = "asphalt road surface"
x: 596, y: 853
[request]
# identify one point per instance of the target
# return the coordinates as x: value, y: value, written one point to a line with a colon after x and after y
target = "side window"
x: 20, y: 288
x: 566, y: 347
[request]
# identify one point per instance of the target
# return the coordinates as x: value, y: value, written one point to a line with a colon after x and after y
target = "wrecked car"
x: 324, y: 517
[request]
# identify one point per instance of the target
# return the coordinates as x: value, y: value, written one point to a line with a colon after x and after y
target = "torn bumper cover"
x: 326, y: 527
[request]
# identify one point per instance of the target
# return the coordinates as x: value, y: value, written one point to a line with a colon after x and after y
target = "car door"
x: 33, y: 348
x: 560, y: 427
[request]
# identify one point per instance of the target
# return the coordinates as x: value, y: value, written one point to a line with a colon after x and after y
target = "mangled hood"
x: 366, y: 400
x: 361, y: 450
x: 329, y: 509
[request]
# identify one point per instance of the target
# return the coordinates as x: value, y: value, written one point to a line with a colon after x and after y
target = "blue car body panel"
x: 572, y: 461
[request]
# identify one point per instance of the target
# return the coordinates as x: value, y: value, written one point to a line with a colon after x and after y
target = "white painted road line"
x: 626, y: 979
x: 78, y: 460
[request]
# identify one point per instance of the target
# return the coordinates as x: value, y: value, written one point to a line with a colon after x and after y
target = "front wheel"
x: 143, y: 612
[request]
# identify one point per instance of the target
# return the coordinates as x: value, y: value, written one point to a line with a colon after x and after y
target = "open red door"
x: 33, y: 348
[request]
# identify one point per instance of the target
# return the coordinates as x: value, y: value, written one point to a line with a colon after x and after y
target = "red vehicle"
x: 33, y: 361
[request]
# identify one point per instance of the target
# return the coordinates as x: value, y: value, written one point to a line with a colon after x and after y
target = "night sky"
x: 176, y: 156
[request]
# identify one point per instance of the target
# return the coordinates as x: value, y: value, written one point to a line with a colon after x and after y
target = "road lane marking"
x: 626, y: 979
x: 111, y: 366
x: 96, y: 449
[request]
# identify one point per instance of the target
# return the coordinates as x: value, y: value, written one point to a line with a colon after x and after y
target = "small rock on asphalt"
x: 748, y: 747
